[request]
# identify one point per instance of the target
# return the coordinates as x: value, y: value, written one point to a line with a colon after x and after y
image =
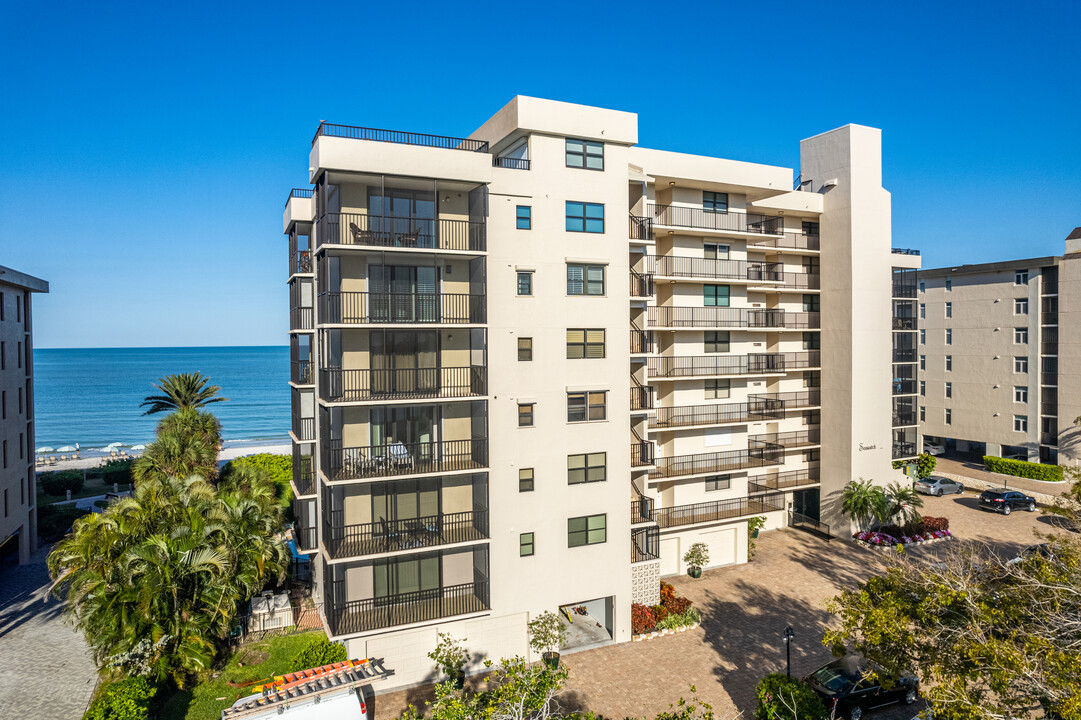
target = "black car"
x: 1006, y: 501
x: 850, y: 686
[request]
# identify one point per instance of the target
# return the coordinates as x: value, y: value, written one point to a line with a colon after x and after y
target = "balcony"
x: 904, y: 290
x: 337, y: 385
x: 641, y: 510
x: 643, y: 453
x: 728, y: 317
x: 1047, y: 438
x: 641, y: 341
x: 304, y: 428
x: 1049, y: 317
x: 641, y: 397
x: 905, y: 251
x: 718, y: 510
x: 306, y: 538
x: 905, y: 323
x: 904, y: 419
x: 783, y: 481
x: 788, y: 241
x: 697, y: 218
x: 645, y: 544
x: 299, y: 193
x: 792, y: 281
x: 379, y: 231
x: 904, y: 386
x: 400, y: 137
x: 392, y: 308
x: 511, y: 163
x: 303, y: 476
x: 406, y: 608
x: 300, y: 372
x: 413, y: 533
x: 641, y: 228
x: 1049, y: 348
x: 716, y: 462
x: 728, y: 413
x: 641, y: 285
x: 904, y: 355
x: 301, y: 318
x: 300, y: 261
x: 376, y: 461
x: 796, y: 400
x: 714, y: 365
x: 904, y: 450
x: 788, y: 440
x: 671, y: 266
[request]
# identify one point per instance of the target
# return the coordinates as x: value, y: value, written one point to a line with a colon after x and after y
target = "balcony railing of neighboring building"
x: 788, y: 400
x: 789, y: 439
x: 364, y: 308
x: 641, y: 510
x: 303, y: 475
x: 904, y: 323
x: 645, y: 544
x: 783, y: 481
x: 344, y: 541
x: 1049, y: 317
x: 717, y: 462
x: 406, y: 608
x: 753, y: 364
x: 701, y: 219
x: 300, y: 372
x: 299, y: 193
x: 904, y: 450
x: 301, y: 318
x: 399, y: 137
x: 905, y: 251
x: 304, y: 428
x: 401, y: 232
x: 641, y: 341
x: 904, y: 386
x: 337, y: 385
x: 358, y: 463
x: 1050, y: 409
x: 641, y: 285
x: 697, y: 415
x: 306, y: 537
x: 904, y: 290
x: 788, y: 241
x: 643, y: 452
x: 641, y: 396
x: 717, y: 510
x: 510, y: 163
x: 711, y: 269
x: 904, y: 419
x: 641, y: 228
x: 728, y: 317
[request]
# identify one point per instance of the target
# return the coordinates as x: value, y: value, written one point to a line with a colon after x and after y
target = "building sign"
x: 867, y: 447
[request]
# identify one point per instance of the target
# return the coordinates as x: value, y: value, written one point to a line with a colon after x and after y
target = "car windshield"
x: 833, y: 678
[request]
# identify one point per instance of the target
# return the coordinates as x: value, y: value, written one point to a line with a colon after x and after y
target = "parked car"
x: 938, y: 486
x: 1020, y: 456
x: 934, y: 448
x: 1006, y: 501
x: 851, y: 685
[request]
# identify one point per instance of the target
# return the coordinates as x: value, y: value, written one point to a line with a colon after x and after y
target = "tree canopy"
x: 180, y: 391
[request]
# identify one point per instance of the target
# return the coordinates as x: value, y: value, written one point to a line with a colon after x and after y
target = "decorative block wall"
x: 646, y: 583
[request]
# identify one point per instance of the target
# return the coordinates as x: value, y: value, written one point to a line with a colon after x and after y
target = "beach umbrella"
x: 46, y: 449
x: 66, y: 448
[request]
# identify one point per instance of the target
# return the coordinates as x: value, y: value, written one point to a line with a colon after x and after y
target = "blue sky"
x: 148, y: 147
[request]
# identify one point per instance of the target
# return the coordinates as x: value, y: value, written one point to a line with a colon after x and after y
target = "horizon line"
x: 158, y: 347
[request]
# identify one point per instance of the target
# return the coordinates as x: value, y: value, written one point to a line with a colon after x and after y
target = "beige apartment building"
x: 18, y: 524
x: 992, y: 335
x: 532, y: 366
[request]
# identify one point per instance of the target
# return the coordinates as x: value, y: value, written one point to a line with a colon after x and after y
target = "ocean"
x: 91, y: 396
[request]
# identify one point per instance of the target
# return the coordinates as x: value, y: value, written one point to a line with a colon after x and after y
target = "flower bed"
x: 884, y: 540
x: 673, y: 614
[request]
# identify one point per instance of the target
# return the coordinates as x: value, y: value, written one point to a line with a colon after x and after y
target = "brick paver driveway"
x: 47, y: 673
x: 745, y: 609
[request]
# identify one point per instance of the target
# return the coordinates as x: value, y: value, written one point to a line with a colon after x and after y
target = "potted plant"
x: 546, y: 636
x: 696, y: 557
x: 450, y: 656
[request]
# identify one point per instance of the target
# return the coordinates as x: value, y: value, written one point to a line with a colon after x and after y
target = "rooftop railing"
x: 399, y: 137
x: 701, y: 219
x: 299, y: 193
x: 904, y: 251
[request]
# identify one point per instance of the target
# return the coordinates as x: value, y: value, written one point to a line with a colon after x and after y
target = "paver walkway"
x: 969, y: 468
x: 47, y: 672
x: 745, y: 609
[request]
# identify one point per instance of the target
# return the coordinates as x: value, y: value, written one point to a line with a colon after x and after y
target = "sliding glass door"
x: 404, y: 217
x: 414, y: 574
x: 404, y: 362
x: 403, y: 294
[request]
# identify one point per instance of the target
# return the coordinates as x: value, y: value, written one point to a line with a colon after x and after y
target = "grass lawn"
x: 261, y: 660
x: 93, y: 486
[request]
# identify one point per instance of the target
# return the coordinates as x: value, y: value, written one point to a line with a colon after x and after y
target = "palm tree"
x: 185, y: 390
x: 903, y: 503
x: 863, y: 501
x: 177, y: 454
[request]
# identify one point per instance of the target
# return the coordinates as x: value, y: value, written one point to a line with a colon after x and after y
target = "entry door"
x: 806, y: 502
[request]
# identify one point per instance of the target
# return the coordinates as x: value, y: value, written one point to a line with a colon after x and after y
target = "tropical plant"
x: 903, y: 504
x: 925, y: 465
x: 783, y: 698
x: 863, y: 502
x: 127, y: 699
x: 754, y: 525
x: 697, y: 555
x: 450, y: 655
x: 547, y: 632
x: 58, y: 483
x: 278, y: 467
x: 186, y: 444
x: 320, y: 651
x: 516, y: 690
x: 184, y: 390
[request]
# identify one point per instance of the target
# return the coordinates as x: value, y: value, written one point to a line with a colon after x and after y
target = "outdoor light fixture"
x: 788, y: 635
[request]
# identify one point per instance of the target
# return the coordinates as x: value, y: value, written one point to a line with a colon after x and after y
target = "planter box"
x: 661, y: 633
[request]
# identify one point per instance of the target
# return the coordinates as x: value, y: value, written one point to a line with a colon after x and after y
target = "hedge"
x: 128, y: 699
x: 320, y: 651
x: 58, y: 483
x: 1020, y: 468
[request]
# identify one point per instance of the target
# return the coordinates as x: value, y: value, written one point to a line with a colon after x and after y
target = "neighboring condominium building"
x: 463, y: 310
x: 992, y: 381
x: 18, y: 523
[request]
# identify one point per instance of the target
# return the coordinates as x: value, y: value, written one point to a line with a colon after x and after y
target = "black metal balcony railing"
x: 717, y: 510
x: 789, y: 241
x: 643, y: 453
x: 645, y: 544
x: 400, y: 137
x: 794, y: 281
x: 401, y: 232
x: 641, y: 510
x: 306, y: 537
x: 1049, y: 409
x: 783, y: 481
x: 1049, y: 317
x: 304, y: 428
x: 904, y: 251
x: 1049, y: 348
x: 641, y: 228
x: 390, y: 535
x: 1049, y: 378
x: 904, y: 450
x: 901, y: 290
x: 904, y: 355
x: 300, y: 372
x: 641, y: 285
x: 301, y: 318
x: 728, y: 317
x: 803, y: 522
x: 363, y: 308
x: 300, y: 262
x: 696, y: 415
x: 904, y: 387
x: 1047, y: 438
x: 717, y: 462
x: 701, y: 219
x: 711, y: 269
x: 641, y: 341
x: 299, y: 193
x: 358, y: 463
x: 904, y: 323
x: 790, y: 439
x: 904, y: 419
x: 795, y: 400
x: 337, y: 385
x: 303, y: 476
x: 511, y: 163
x: 641, y: 396
x: 710, y: 365
x: 407, y: 608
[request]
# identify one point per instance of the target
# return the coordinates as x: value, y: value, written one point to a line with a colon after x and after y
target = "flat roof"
x: 9, y: 276
x: 979, y: 268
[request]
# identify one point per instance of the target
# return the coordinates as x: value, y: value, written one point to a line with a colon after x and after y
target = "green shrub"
x: 1020, y: 468
x: 117, y: 471
x: 58, y: 483
x: 798, y: 696
x: 320, y: 651
x: 127, y: 699
x: 55, y: 520
x: 280, y: 469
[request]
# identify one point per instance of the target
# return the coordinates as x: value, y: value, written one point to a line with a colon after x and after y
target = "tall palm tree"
x: 902, y: 503
x: 177, y: 454
x: 184, y: 390
x: 863, y: 501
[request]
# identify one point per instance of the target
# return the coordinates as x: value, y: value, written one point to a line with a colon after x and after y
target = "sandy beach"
x: 229, y: 452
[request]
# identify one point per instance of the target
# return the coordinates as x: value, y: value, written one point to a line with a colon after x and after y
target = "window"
x: 3, y: 349
x: 718, y: 389
x: 525, y: 414
x: 525, y: 349
x: 1020, y: 394
x: 585, y: 279
x: 718, y: 482
x: 949, y: 390
x: 525, y: 480
x: 585, y: 343
x: 949, y: 309
x: 1020, y: 335
x: 923, y: 413
x: 812, y: 341
x: 1020, y: 306
x: 810, y: 228
x: 949, y: 417
x: 1020, y: 364
x: 587, y: 468
x: 716, y: 295
x: 949, y: 363
x: 923, y: 311
x: 523, y: 217
x: 715, y: 251
x: 585, y: 154
x: 923, y: 388
x: 525, y: 282
x: 923, y: 286
x: 585, y: 217
x: 717, y: 342
x: 1020, y: 423
x: 525, y: 544
x: 714, y: 202
x: 949, y: 284
x: 923, y: 336
x: 587, y: 406
x: 810, y: 303
x: 1020, y: 277
x: 949, y: 336
x: 923, y: 362
x: 587, y: 530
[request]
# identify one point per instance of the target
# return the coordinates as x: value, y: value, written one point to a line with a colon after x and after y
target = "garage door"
x: 669, y: 556
x: 722, y: 546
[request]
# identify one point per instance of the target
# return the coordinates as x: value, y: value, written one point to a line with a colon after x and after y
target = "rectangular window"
x: 525, y: 480
x: 923, y: 413
x: 587, y: 468
x: 714, y: 202
x: 716, y: 295
x: 1020, y: 364
x: 949, y: 390
x: 923, y: 286
x: 949, y: 336
x: 718, y: 482
x: 3, y: 352
x: 949, y: 309
x: 949, y: 284
x: 585, y: 279
x: 1020, y: 394
x: 923, y: 388
x: 585, y: 154
x: 1020, y: 423
x: 523, y: 217
x: 587, y: 530
x: 587, y: 406
x: 810, y: 303
x: 1020, y: 306
x: 1020, y: 277
x: 717, y: 341
x: 810, y: 228
x: 20, y: 401
x: 718, y: 389
x: 525, y: 349
x: 1020, y: 335
x: 812, y: 341
x: 587, y: 343
x: 923, y: 336
x: 949, y: 363
x: 949, y: 416
x: 525, y: 282
x: 585, y: 217
x: 525, y: 544
x: 525, y: 414
x: 923, y: 362
x: 19, y: 353
x: 923, y: 311
x: 715, y: 251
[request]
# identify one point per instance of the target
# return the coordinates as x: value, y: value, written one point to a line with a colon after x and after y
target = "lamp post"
x: 788, y: 635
